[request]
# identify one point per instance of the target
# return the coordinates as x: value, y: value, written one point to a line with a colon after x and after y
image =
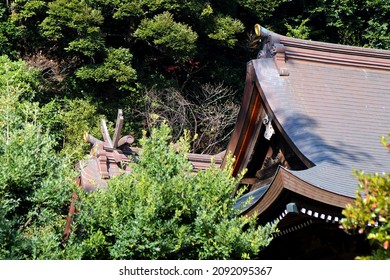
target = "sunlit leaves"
x: 165, y: 33
x: 226, y: 29
x: 35, y: 183
x: 370, y: 213
x: 116, y: 67
x: 164, y: 211
x: 79, y: 21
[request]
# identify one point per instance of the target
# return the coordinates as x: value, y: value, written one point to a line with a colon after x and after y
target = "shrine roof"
x: 331, y: 103
x: 334, y: 115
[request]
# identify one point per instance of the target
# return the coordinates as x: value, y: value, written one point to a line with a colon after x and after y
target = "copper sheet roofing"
x: 332, y: 104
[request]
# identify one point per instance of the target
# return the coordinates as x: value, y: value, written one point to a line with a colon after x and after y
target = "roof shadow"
x: 304, y: 132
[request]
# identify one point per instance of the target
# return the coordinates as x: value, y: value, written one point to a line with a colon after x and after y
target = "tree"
x: 158, y: 34
x: 35, y: 183
x: 163, y: 211
x: 349, y: 22
x: 79, y: 21
x: 178, y: 39
x: 9, y: 34
x: 370, y: 212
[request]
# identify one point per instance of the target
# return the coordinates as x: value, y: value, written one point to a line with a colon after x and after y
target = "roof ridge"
x: 336, y: 54
x: 332, y: 47
x: 323, y: 52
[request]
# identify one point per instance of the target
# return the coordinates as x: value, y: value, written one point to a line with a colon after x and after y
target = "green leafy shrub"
x: 225, y: 30
x: 115, y: 68
x: 35, y: 183
x: 163, y: 211
x: 79, y: 21
x: 370, y: 212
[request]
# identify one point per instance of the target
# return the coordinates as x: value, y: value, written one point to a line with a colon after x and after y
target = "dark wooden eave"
x: 286, y: 181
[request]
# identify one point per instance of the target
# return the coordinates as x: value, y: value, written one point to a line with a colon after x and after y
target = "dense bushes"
x: 162, y: 211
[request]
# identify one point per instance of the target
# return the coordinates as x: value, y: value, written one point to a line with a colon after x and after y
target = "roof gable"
x: 331, y: 102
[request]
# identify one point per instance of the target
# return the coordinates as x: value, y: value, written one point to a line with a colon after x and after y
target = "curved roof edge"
x: 274, y: 119
x: 285, y: 180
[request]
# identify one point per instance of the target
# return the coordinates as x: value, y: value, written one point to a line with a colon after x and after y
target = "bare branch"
x: 208, y: 112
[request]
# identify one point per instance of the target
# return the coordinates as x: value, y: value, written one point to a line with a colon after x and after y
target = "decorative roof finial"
x: 261, y: 31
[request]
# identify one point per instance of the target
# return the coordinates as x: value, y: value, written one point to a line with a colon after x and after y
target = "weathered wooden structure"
x: 311, y: 113
x: 107, y: 158
x: 111, y: 157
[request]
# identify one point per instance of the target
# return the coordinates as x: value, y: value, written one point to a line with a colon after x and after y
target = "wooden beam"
x: 249, y: 181
x: 106, y: 135
x: 118, y: 129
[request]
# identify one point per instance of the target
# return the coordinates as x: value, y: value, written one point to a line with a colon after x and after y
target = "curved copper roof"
x: 331, y: 103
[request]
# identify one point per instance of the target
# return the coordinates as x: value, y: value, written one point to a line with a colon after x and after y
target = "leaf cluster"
x: 164, y: 211
x: 176, y: 38
x: 35, y: 182
x: 369, y: 214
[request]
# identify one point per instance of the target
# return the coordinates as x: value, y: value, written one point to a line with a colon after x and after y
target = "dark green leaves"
x: 175, y: 38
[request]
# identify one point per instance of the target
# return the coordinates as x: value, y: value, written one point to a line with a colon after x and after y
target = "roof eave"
x: 286, y: 181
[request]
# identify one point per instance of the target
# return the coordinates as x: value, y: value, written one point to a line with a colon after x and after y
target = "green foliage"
x: 357, y: 22
x: 301, y: 31
x: 176, y: 38
x: 79, y: 21
x: 40, y: 184
x: 129, y: 8
x: 226, y: 29
x: 370, y: 212
x: 116, y: 68
x: 377, y: 33
x: 28, y: 8
x: 65, y: 120
x: 163, y: 211
x: 9, y: 34
x: 140, y: 8
x: 261, y: 8
x: 17, y: 79
x: 35, y: 183
x: 76, y: 117
x: 17, y: 83
x: 8, y: 235
x: 93, y: 40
